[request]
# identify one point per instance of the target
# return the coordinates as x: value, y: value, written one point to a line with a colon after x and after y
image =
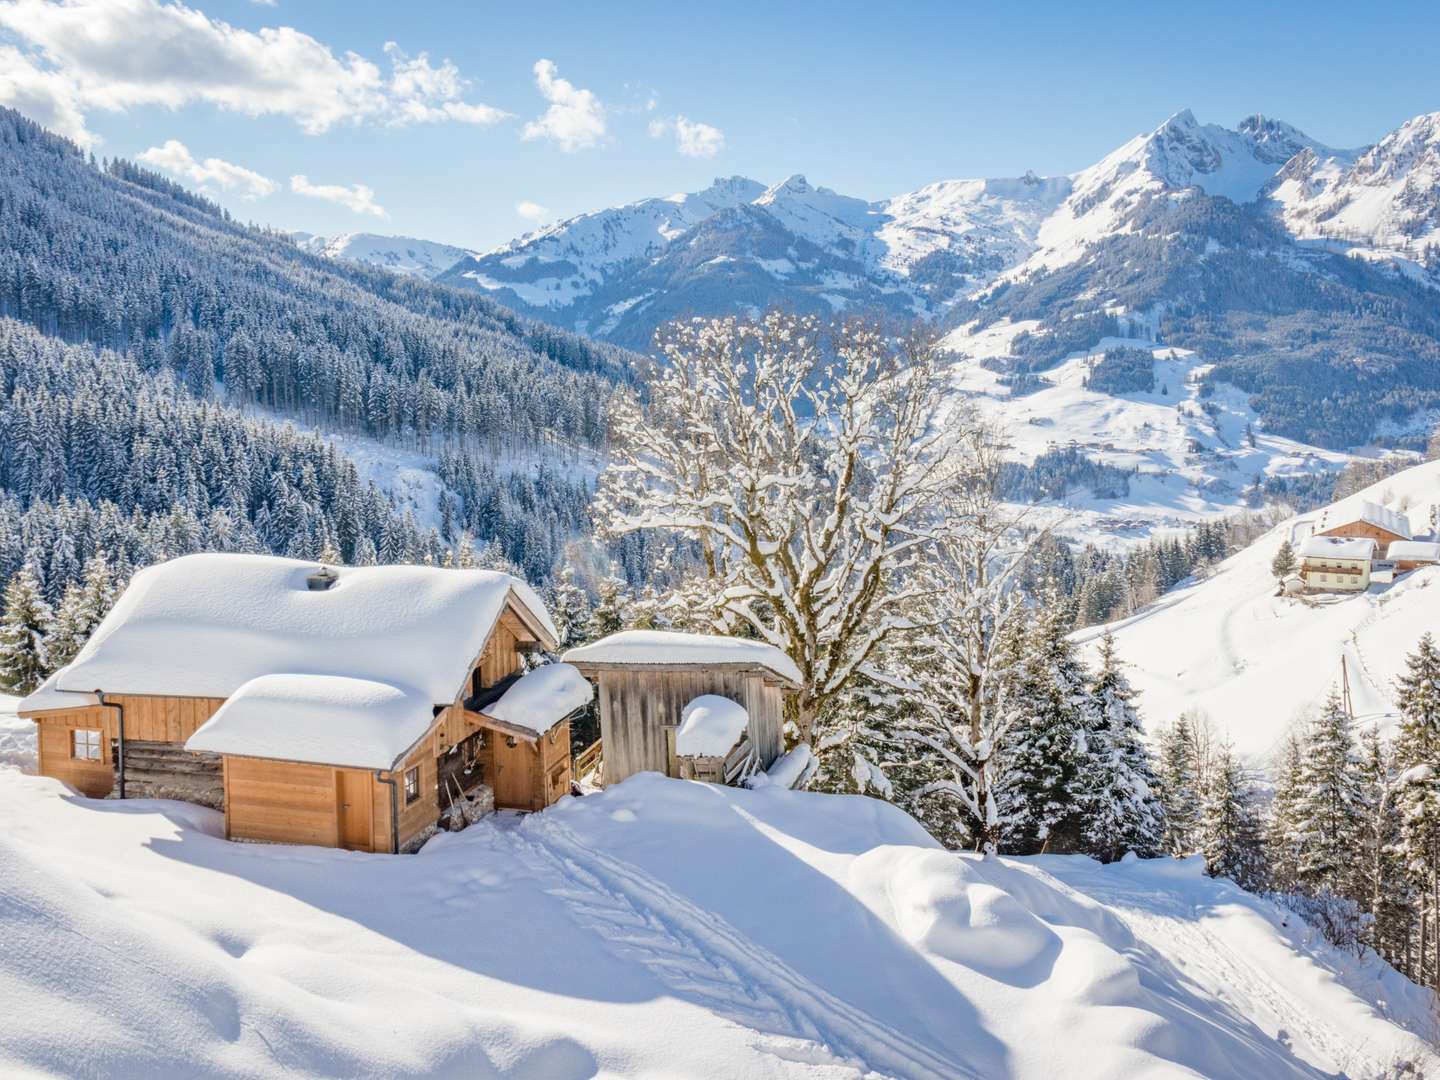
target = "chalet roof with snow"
x: 1414, y: 551
x: 1338, y: 547
x: 361, y: 661
x: 1368, y: 513
x: 540, y: 699
x: 668, y: 648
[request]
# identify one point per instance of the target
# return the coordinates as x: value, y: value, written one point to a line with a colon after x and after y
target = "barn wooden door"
x: 355, y: 809
x: 515, y: 774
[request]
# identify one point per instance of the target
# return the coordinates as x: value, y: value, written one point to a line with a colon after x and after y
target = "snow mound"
x: 540, y: 699
x: 838, y: 941
x: 709, y: 726
x: 17, y: 737
x: 1268, y: 660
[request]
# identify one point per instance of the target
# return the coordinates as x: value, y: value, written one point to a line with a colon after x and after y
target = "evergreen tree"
x: 24, y: 660
x: 608, y: 615
x: 84, y: 604
x: 1328, y: 812
x: 1229, y: 833
x: 1180, y: 787
x: 569, y: 607
x: 1281, y: 846
x: 1119, y: 791
x: 1284, y: 564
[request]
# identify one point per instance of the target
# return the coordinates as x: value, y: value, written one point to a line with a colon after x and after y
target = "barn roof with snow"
x: 1338, y: 547
x: 1414, y: 551
x: 342, y: 666
x: 1368, y: 513
x: 667, y: 648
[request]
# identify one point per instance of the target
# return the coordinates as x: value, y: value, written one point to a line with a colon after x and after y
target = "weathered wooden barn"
x: 1370, y: 521
x: 647, y: 679
x: 345, y: 707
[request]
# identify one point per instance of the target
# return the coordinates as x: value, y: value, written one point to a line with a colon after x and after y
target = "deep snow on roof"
x: 710, y: 726
x: 48, y: 696
x: 1416, y: 550
x: 1371, y: 513
x: 540, y: 699
x: 1338, y: 547
x: 324, y: 719
x: 658, y: 647
x: 205, y: 625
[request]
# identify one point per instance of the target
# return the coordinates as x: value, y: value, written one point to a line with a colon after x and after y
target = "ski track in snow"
x: 703, y: 959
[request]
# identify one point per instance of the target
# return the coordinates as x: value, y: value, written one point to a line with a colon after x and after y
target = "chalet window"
x: 412, y: 785
x: 85, y: 744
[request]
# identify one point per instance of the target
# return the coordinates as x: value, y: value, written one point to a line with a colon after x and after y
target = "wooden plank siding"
x: 638, y: 705
x: 284, y: 802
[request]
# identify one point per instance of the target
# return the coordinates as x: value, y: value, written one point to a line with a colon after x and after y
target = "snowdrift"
x: 661, y: 929
x: 1256, y: 662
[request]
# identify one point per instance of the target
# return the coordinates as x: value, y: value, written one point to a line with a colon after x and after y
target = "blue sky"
x: 650, y: 98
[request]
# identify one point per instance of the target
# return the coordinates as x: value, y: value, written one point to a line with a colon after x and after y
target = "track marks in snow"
x: 702, y: 959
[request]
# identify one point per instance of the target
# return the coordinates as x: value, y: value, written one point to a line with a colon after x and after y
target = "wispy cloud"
x: 575, y: 119
x: 112, y: 55
x: 532, y: 211
x: 175, y: 158
x: 692, y: 138
x: 356, y: 197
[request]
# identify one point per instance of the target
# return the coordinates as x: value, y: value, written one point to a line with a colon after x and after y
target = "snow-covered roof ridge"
x: 1371, y: 513
x: 1421, y: 550
x: 321, y: 719
x: 1338, y: 547
x: 540, y: 699
x: 667, y: 647
x: 710, y: 726
x: 205, y: 625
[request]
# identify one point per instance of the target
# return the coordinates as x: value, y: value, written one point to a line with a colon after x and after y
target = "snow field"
x: 661, y: 929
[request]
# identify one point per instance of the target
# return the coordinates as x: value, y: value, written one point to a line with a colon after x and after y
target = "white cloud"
x: 175, y: 158
x: 531, y: 211
x: 575, y: 119
x: 692, y: 138
x: 357, y: 197
x: 120, y: 54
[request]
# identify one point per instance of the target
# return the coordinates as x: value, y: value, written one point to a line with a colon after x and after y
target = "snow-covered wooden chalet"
x: 687, y: 705
x: 344, y: 707
x: 1370, y: 521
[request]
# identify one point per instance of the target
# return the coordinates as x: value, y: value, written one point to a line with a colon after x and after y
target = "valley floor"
x: 663, y: 928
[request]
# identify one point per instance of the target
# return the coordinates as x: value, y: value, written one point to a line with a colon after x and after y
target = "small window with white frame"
x: 412, y: 785
x: 85, y: 744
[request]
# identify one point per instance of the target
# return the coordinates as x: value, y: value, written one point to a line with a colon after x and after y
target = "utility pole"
x: 1345, y: 688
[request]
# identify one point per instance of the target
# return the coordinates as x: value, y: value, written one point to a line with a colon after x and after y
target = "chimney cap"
x: 321, y: 579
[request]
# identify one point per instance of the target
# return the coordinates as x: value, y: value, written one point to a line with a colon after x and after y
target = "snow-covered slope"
x: 1384, y: 201
x: 1255, y: 662
x: 17, y: 737
x: 661, y: 929
x: 402, y: 254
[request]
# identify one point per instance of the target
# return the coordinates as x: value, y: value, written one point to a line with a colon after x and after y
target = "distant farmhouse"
x: 1349, y: 545
x: 359, y: 707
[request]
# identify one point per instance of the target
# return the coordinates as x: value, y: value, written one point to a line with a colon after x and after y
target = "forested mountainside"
x: 169, y: 342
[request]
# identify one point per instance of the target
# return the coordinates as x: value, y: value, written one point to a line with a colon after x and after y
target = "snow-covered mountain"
x: 597, y: 939
x: 1256, y: 662
x: 401, y: 254
x: 1385, y: 199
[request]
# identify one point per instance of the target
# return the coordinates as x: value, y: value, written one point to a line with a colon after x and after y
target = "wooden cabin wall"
x: 424, y: 811
x: 636, y: 708
x: 281, y: 801
x: 555, y: 761
x: 52, y: 731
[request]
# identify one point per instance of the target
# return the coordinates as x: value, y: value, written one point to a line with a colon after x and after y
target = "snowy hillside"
x: 402, y: 254
x: 1190, y: 452
x: 662, y: 929
x: 1256, y: 662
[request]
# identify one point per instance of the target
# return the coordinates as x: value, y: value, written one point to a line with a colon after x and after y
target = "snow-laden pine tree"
x: 1384, y: 890
x: 1118, y: 788
x: 804, y: 465
x: 1044, y: 701
x: 1282, y: 855
x: 1283, y: 565
x: 24, y: 660
x: 1229, y: 831
x: 1180, y: 789
x: 607, y: 616
x: 85, y: 603
x: 1417, y: 787
x: 1328, y: 811
x: 947, y: 705
x: 570, y: 607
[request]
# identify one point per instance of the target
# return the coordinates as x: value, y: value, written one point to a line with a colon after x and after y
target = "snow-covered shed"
x: 1366, y: 520
x: 648, y: 679
x: 1413, y: 554
x: 322, y: 706
x: 1337, y: 563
